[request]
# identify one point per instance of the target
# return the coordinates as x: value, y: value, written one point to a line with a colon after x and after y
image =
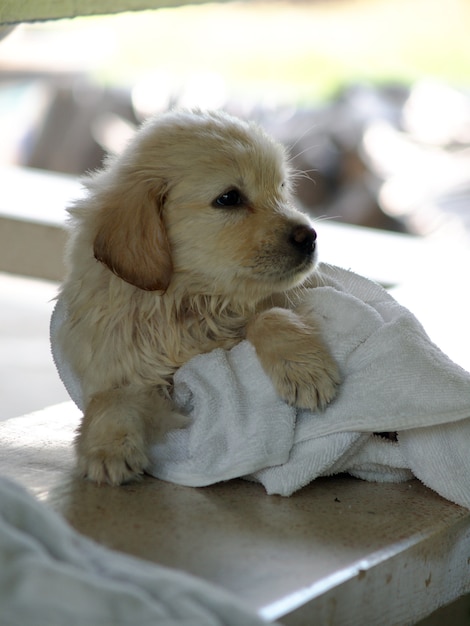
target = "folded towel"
x: 394, y: 379
x: 52, y: 575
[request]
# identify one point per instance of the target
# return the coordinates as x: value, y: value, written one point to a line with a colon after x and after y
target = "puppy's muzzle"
x: 303, y: 239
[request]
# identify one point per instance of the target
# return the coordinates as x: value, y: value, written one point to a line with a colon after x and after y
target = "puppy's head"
x: 201, y: 202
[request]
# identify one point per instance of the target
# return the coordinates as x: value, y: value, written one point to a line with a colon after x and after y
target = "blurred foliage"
x: 274, y: 51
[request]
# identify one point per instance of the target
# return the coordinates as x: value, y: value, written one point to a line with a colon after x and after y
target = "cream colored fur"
x: 159, y: 272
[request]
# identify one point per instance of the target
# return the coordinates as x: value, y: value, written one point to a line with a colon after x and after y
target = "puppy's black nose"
x: 303, y: 238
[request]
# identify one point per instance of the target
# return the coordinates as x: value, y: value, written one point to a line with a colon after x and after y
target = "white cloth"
x: 394, y: 379
x: 51, y: 575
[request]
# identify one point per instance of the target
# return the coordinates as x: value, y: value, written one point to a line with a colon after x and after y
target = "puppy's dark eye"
x: 230, y: 198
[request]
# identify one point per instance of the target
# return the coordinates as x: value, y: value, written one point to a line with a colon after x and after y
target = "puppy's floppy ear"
x: 131, y: 238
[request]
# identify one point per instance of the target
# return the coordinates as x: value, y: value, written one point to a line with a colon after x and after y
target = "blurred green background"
x: 275, y: 52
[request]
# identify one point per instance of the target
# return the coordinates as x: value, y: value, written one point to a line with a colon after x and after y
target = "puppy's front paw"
x: 117, y: 458
x: 117, y: 429
x: 110, y: 449
x: 294, y: 356
x: 309, y: 380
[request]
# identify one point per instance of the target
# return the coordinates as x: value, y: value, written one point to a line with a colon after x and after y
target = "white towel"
x: 52, y: 575
x: 394, y: 380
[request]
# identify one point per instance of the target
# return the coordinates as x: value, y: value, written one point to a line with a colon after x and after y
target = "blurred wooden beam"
x: 17, y: 11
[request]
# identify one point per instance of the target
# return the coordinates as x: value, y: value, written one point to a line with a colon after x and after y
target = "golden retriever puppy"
x: 186, y: 242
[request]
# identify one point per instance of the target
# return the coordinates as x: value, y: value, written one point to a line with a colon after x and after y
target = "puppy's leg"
x: 293, y: 354
x: 117, y: 429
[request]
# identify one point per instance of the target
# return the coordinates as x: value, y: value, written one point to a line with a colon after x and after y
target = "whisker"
x: 325, y: 218
x: 298, y: 174
x: 300, y: 137
x: 306, y: 149
x: 321, y: 279
x: 304, y: 176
